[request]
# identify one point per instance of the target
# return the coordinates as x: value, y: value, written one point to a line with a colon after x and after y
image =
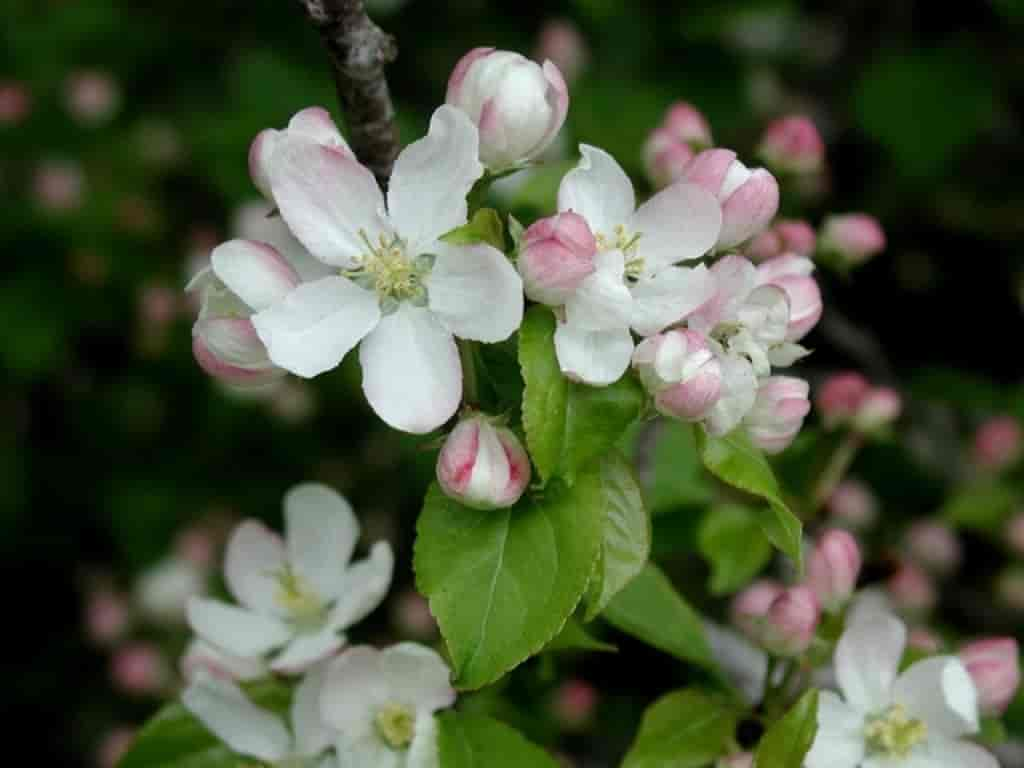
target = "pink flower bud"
x: 737, y: 760
x: 997, y: 443
x: 793, y: 145
x: 58, y: 186
x: 853, y: 504
x: 994, y: 666
x: 854, y: 237
x: 1015, y: 534
x: 665, y: 157
x: 764, y: 246
x: 750, y: 607
x: 139, y: 669
x: 686, y: 123
x: 789, y: 236
x: 923, y: 639
x: 574, y: 703
x: 518, y: 105
x: 106, y: 616
x: 229, y: 350
x: 840, y: 396
x: 681, y: 372
x: 833, y: 568
x: 483, y: 466
x: 778, y: 412
x: 15, y: 102
x: 92, y: 96
x: 556, y: 255
x: 911, y: 590
x: 791, y: 621
x: 880, y: 407
x: 562, y: 43
x: 113, y: 746
x: 410, y: 613
x: 934, y: 545
x: 749, y: 198
x: 791, y: 273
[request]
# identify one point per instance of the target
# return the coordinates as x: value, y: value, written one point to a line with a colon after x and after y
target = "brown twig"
x: 359, y: 51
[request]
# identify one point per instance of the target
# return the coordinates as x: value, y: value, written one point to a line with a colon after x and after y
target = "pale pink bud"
x: 665, y: 157
x: 880, y: 407
x: 562, y: 43
x: 1015, y: 534
x: 791, y: 273
x: 797, y: 236
x: 911, y: 590
x: 574, y: 703
x: 791, y: 621
x: 997, y: 443
x: 58, y: 186
x: 113, y: 746
x: 736, y: 760
x: 681, y: 372
x: 750, y: 607
x: 139, y: 669
x: 854, y: 237
x: 923, y: 639
x: 106, y: 616
x: 853, y: 504
x: 686, y: 123
x: 793, y: 145
x: 778, y: 413
x: 833, y: 568
x: 994, y: 666
x: 840, y: 396
x: 482, y: 465
x: 92, y: 96
x: 410, y: 613
x: 749, y: 198
x: 229, y: 350
x: 518, y: 105
x: 555, y: 256
x: 764, y: 246
x: 15, y: 102
x: 934, y: 545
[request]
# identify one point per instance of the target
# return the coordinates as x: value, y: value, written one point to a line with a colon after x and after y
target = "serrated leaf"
x: 734, y: 460
x: 503, y: 583
x: 788, y: 741
x: 574, y: 637
x: 682, y: 729
x: 568, y: 425
x: 626, y: 543
x: 732, y: 541
x: 475, y: 741
x: 651, y: 610
x: 484, y: 227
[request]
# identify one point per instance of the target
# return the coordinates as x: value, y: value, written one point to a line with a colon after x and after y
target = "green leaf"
x: 567, y: 424
x: 475, y: 741
x: 734, y: 460
x: 484, y: 227
x: 503, y: 583
x: 982, y: 507
x: 627, y: 535
x: 574, y: 637
x: 682, y: 729
x: 788, y: 741
x: 651, y: 610
x: 678, y: 480
x: 730, y: 538
x: 176, y: 739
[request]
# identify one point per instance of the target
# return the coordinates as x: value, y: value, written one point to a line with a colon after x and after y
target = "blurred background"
x: 124, y: 128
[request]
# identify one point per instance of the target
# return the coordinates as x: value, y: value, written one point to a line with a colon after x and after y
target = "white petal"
x: 201, y: 657
x: 680, y: 223
x: 867, y: 657
x: 307, y: 649
x: 236, y: 630
x: 602, y: 301
x: 432, y: 176
x: 739, y: 391
x: 839, y: 742
x: 368, y: 752
x: 765, y: 314
x: 475, y: 292
x: 785, y: 354
x: 354, y: 687
x: 944, y: 753
x: 669, y: 296
x: 247, y: 729
x: 312, y: 736
x: 253, y: 271
x: 423, y: 751
x: 329, y: 201
x: 253, y: 557
x: 317, y: 324
x: 598, y: 358
x: 598, y: 190
x: 366, y: 584
x: 322, y: 534
x: 940, y: 692
x: 252, y: 221
x: 411, y: 371
x: 315, y: 123
x: 417, y: 677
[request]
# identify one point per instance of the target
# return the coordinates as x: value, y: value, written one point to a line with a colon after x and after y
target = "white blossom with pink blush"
x: 397, y: 287
x: 202, y: 658
x: 792, y: 273
x: 681, y: 372
x: 58, y: 186
x: 994, y: 665
x: 296, y: 596
x: 518, y: 105
x: 778, y: 412
x: 636, y: 283
x: 483, y: 465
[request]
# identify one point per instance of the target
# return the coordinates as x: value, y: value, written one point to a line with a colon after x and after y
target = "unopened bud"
x: 923, y: 639
x: 562, y: 42
x: 839, y: 398
x: 140, y: 669
x: 997, y: 443
x: 679, y: 369
x: 574, y: 703
x: 833, y: 568
x: 793, y: 145
x: 792, y: 621
x: 106, y: 616
x: 482, y: 465
x: 994, y: 666
x: 750, y: 607
x: 665, y: 157
x: 778, y: 413
x: 92, y: 96
x: 853, y: 505
x: 853, y: 237
x: 911, y: 590
x: 880, y: 407
x: 555, y: 256
x: 934, y: 545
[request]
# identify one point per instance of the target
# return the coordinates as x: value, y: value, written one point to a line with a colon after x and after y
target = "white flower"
x: 635, y: 284
x: 202, y: 658
x: 296, y: 595
x: 914, y: 720
x: 382, y: 704
x: 254, y: 732
x: 396, y: 287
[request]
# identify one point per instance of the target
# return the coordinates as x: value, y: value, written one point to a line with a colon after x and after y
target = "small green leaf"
x: 574, y: 637
x: 627, y: 535
x: 484, y: 227
x: 568, y: 424
x: 503, y: 583
x: 734, y: 460
x: 651, y: 610
x: 982, y: 507
x: 678, y: 480
x: 515, y: 231
x: 475, y: 741
x: 731, y: 539
x: 789, y: 740
x: 682, y: 729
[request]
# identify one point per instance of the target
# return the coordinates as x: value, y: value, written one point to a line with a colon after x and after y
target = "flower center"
x: 395, y: 724
x: 892, y: 733
x: 299, y: 600
x: 387, y: 269
x: 627, y: 242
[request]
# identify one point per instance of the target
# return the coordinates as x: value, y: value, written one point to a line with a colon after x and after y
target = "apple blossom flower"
x: 483, y: 465
x: 833, y: 568
x: 92, y: 96
x: 852, y: 504
x: 164, y: 589
x: 15, y: 102
x: 840, y: 396
x: 381, y: 705
x: 299, y: 594
x: 918, y: 718
x: 681, y: 372
x: 749, y: 198
x: 793, y: 145
x: 911, y: 590
x: 792, y: 273
x: 934, y: 545
x: 139, y: 669
x: 853, y: 237
x: 998, y: 443
x: 879, y: 408
x: 201, y: 658
x: 562, y: 42
x: 778, y: 412
x: 791, y: 621
x: 785, y: 236
x: 635, y: 283
x: 399, y: 289
x: 737, y: 395
x: 556, y: 254
x: 251, y: 731
x: 517, y: 105
x: 994, y: 666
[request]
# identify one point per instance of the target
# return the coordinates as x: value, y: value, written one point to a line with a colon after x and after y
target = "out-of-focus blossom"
x: 998, y: 443
x: 573, y: 704
x: 853, y: 505
x: 113, y: 746
x: 411, y: 616
x: 681, y: 372
x: 911, y: 590
x: 853, y: 238
x: 107, y: 616
x: 140, y: 669
x: 158, y: 306
x: 785, y: 236
x: 92, y: 96
x: 1015, y: 534
x: 197, y: 544
x: 159, y: 143
x: 202, y: 658
x: 792, y: 274
x: 778, y: 413
x: 792, y: 145
x: 791, y: 621
x: 163, y: 590
x: 934, y: 545
x: 293, y: 401
x: 483, y: 465
x: 674, y: 143
x: 58, y: 186
x: 833, y: 568
x: 994, y: 665
x: 923, y: 639
x: 840, y: 396
x: 15, y: 102
x: 879, y: 408
x: 555, y: 256
x: 562, y: 43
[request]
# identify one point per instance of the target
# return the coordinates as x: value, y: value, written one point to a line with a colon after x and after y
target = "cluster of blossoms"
x: 848, y: 400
